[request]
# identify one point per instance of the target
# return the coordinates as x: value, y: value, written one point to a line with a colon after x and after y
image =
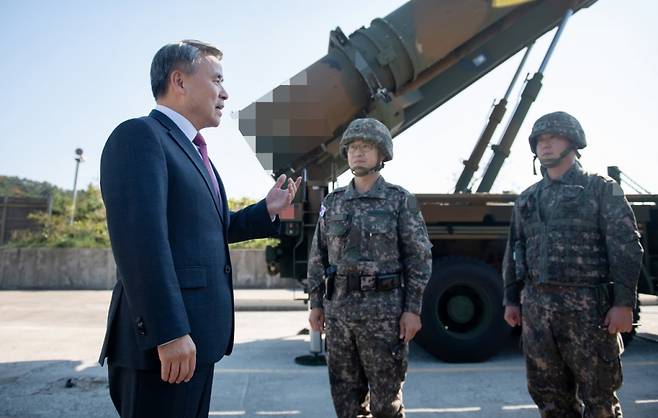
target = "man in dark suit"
x: 171, y: 315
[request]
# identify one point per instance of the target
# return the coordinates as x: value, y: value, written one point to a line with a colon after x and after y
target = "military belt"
x: 536, y: 280
x: 365, y: 283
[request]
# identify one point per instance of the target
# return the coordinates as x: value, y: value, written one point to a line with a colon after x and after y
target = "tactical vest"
x: 565, y: 248
x: 362, y: 235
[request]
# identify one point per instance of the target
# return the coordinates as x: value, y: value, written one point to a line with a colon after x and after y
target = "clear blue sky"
x: 73, y: 70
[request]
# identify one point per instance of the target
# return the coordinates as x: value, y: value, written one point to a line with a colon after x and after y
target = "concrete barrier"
x: 94, y: 269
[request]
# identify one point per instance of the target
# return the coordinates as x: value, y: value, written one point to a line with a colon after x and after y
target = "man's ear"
x: 176, y: 81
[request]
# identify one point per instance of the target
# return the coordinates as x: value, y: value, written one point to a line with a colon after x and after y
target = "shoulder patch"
x: 323, y: 209
x: 617, y: 190
x: 605, y: 182
x: 412, y: 204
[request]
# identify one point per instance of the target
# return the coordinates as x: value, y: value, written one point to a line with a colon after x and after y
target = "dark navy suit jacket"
x: 169, y: 236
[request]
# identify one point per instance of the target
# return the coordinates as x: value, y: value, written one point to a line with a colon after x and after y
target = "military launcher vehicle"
x: 398, y: 70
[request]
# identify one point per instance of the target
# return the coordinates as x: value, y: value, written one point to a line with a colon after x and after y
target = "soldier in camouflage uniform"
x: 369, y: 263
x: 572, y: 264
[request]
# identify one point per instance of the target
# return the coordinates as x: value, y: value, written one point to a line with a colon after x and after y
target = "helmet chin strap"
x: 553, y: 162
x: 363, y: 171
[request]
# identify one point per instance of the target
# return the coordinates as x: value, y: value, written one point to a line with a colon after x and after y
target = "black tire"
x: 462, y: 313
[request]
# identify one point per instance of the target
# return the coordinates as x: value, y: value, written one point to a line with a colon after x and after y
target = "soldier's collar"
x: 378, y: 190
x: 569, y: 177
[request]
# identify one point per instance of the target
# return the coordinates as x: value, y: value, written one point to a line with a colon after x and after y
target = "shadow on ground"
x: 261, y: 378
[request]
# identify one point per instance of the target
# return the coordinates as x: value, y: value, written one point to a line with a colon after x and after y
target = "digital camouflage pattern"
x: 368, y: 129
x: 366, y: 376
x: 578, y: 231
x: 568, y: 239
x: 378, y: 232
x: 577, y: 372
x: 558, y: 123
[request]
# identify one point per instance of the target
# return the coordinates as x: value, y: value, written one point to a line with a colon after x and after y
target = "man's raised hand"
x: 279, y: 199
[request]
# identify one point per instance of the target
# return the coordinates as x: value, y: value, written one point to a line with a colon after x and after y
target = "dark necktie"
x: 203, y: 149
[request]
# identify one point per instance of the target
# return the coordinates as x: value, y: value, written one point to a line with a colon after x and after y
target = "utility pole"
x: 78, y: 159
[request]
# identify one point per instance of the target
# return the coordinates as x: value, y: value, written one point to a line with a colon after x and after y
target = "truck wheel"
x: 462, y: 313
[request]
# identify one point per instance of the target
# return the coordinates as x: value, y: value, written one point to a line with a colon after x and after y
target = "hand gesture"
x: 279, y: 199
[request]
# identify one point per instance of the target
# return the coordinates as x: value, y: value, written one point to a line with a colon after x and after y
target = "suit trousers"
x: 142, y: 394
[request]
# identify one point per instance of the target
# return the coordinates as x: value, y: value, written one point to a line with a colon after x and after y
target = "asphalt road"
x: 49, y: 338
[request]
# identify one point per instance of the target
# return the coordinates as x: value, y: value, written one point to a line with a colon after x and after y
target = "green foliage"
x: 237, y: 204
x: 240, y: 203
x: 19, y: 187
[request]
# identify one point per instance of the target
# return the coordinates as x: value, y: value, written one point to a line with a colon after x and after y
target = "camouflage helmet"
x: 371, y: 130
x: 558, y: 123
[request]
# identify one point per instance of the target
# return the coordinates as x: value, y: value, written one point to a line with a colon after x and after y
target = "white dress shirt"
x: 181, y: 121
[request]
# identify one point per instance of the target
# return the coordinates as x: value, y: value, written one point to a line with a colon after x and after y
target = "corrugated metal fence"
x: 14, y: 213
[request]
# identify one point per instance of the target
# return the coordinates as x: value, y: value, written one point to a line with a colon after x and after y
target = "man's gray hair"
x: 182, y: 56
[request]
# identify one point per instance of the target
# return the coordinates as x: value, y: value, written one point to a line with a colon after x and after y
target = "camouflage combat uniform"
x: 364, y: 236
x: 573, y: 252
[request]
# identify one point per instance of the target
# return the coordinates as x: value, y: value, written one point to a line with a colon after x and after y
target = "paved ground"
x: 47, y: 338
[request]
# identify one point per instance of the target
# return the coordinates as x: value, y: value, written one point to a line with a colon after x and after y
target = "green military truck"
x: 399, y: 69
